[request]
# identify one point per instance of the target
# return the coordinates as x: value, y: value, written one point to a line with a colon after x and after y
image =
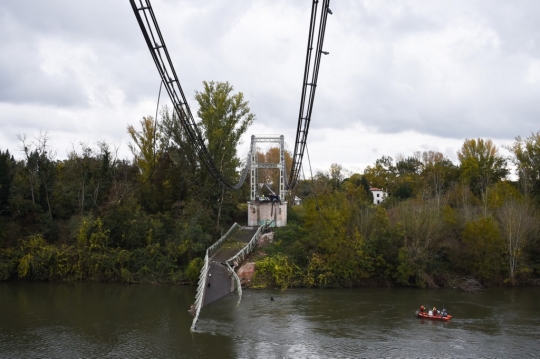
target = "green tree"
x: 438, y: 172
x: 357, y: 188
x: 423, y: 228
x: 7, y: 164
x: 527, y: 161
x: 382, y: 174
x: 408, y: 166
x: 7, y: 169
x: 481, y: 166
x: 144, y: 147
x: 383, y: 242
x: 519, y: 227
x: 336, y: 176
x: 179, y: 151
x: 483, y: 255
x: 407, y: 181
x: 335, y: 246
x: 224, y: 117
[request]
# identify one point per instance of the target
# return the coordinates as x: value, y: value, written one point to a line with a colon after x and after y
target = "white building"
x: 379, y: 195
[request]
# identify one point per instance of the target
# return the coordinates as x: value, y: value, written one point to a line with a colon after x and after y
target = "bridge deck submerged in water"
x: 219, y: 281
x: 217, y: 278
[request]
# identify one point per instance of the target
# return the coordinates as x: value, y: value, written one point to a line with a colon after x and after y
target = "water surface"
x: 85, y: 320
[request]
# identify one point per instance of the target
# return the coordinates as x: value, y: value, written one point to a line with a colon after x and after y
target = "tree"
x: 423, y: 227
x: 407, y: 179
x: 105, y: 177
x: 87, y: 176
x: 41, y: 168
x: 481, y: 166
x: 83, y: 165
x: 271, y: 175
x: 224, y: 118
x: 483, y: 255
x: 527, y: 161
x: 408, y: 166
x: 438, y: 171
x: 383, y: 174
x: 7, y: 164
x: 31, y: 166
x: 176, y: 145
x: 144, y: 147
x: 336, y: 176
x: 357, y: 189
x: 365, y: 185
x: 519, y: 227
x: 336, y: 247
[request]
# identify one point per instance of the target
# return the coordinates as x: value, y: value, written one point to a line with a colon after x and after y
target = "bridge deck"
x: 220, y: 282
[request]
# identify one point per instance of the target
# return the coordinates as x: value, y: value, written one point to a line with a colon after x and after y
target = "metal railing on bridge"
x: 239, y: 257
x: 231, y: 263
x: 199, y: 297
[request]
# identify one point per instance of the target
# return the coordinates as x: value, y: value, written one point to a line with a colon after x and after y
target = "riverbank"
x: 37, y: 260
x: 296, y: 258
x: 274, y: 264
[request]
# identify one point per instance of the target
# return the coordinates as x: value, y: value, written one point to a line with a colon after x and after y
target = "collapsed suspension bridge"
x: 258, y: 214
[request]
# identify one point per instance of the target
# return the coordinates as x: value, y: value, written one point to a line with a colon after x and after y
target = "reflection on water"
x: 114, y: 321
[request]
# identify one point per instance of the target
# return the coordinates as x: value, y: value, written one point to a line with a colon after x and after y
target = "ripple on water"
x: 368, y: 322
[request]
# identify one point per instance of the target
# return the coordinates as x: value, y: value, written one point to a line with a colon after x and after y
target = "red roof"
x: 375, y: 189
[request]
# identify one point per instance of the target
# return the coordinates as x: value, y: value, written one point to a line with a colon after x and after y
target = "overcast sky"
x: 402, y: 76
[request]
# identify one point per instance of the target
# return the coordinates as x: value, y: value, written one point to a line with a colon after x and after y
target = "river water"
x: 86, y: 320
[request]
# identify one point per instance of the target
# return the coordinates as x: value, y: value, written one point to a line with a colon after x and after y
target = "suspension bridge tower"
x: 273, y: 207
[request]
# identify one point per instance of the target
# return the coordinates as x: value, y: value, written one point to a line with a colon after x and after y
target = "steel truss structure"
x: 255, y: 165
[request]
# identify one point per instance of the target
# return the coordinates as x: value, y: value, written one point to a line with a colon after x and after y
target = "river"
x: 93, y: 320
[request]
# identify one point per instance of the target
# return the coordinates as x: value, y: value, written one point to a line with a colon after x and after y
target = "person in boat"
x: 434, y: 311
x: 443, y: 313
x: 422, y: 309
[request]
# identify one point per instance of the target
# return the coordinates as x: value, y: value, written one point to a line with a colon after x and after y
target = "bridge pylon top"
x: 254, y: 166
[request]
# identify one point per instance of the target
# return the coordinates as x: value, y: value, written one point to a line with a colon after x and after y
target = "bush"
x: 194, y: 269
x: 275, y: 271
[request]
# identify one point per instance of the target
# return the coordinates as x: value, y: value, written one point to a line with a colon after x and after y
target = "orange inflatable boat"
x: 425, y: 315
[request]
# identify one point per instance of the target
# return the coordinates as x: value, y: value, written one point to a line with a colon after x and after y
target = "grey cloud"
x: 492, y: 98
x: 98, y: 19
x: 33, y: 86
x: 108, y: 28
x: 382, y: 71
x: 516, y: 24
x: 23, y: 81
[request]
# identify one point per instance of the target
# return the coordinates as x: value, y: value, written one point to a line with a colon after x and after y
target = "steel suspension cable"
x: 311, y: 172
x: 152, y: 34
x: 311, y: 73
x: 153, y: 148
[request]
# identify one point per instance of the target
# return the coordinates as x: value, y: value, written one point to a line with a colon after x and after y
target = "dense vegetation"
x: 96, y: 217
x: 441, y: 226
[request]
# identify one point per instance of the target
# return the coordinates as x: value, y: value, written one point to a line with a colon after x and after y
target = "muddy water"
x: 43, y: 320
